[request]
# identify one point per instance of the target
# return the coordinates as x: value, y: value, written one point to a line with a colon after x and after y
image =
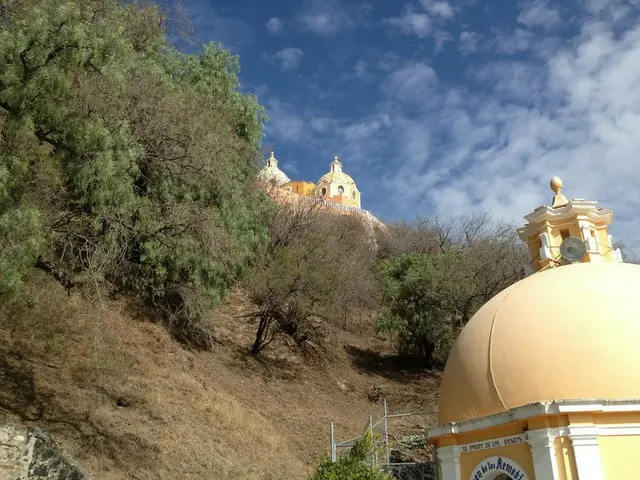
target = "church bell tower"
x: 548, y: 227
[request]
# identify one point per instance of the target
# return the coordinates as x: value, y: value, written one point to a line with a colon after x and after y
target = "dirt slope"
x: 127, y: 401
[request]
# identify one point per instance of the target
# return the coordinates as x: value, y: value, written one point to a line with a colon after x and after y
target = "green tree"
x: 124, y: 164
x: 435, y: 275
x: 419, y: 309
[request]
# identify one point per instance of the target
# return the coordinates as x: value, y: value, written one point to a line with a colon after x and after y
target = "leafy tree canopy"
x: 418, y: 290
x: 437, y: 274
x: 124, y: 163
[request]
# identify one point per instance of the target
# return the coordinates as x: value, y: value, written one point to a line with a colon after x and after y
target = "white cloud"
x: 389, y: 61
x: 411, y: 83
x: 284, y: 123
x: 411, y: 22
x: 359, y: 72
x: 321, y: 124
x: 327, y: 17
x: 358, y: 132
x: 290, y: 167
x: 538, y: 13
x: 518, y: 41
x: 513, y: 80
x: 209, y: 24
x: 574, y: 113
x: 468, y: 42
x: 289, y: 58
x: 441, y: 37
x: 320, y: 22
x: 274, y: 25
x: 360, y: 68
x: 613, y: 11
x: 439, y: 8
x: 425, y: 19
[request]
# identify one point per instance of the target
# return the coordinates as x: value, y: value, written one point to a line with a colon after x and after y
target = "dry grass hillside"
x: 127, y: 401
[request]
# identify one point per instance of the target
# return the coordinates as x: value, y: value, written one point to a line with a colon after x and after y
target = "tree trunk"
x: 62, y: 277
x: 261, y: 334
x: 428, y: 348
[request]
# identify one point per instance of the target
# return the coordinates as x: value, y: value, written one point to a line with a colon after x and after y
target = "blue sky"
x: 447, y: 106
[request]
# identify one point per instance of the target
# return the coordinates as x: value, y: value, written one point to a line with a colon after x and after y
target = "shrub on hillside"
x: 125, y: 164
x: 348, y: 469
x: 352, y: 466
x: 318, y: 266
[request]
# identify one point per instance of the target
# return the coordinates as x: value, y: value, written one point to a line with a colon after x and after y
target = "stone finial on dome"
x: 272, y: 161
x: 272, y: 173
x: 559, y: 200
x: 336, y: 165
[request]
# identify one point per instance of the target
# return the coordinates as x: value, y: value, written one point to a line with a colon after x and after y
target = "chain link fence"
x: 412, y: 471
x: 390, y: 454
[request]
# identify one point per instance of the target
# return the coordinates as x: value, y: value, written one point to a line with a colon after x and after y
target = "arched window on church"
x: 340, y: 189
x: 323, y: 191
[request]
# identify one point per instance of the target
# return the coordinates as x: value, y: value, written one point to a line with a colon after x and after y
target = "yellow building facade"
x: 302, y: 188
x: 542, y: 383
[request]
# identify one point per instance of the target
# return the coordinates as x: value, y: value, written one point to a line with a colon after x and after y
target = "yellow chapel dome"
x: 337, y: 176
x: 566, y: 333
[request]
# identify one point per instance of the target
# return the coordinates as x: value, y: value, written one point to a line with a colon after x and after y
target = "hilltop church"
x: 335, y: 186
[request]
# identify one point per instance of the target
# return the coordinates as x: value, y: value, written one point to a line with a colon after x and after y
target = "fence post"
x: 374, y: 454
x: 386, y: 434
x: 333, y: 443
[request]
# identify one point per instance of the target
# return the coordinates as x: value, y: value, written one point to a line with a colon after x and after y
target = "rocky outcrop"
x: 27, y: 453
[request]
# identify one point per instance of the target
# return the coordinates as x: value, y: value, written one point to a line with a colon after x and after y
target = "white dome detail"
x: 272, y: 174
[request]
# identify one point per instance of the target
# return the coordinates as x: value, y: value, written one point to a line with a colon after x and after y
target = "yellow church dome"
x: 565, y: 333
x: 336, y: 176
x: 338, y: 186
